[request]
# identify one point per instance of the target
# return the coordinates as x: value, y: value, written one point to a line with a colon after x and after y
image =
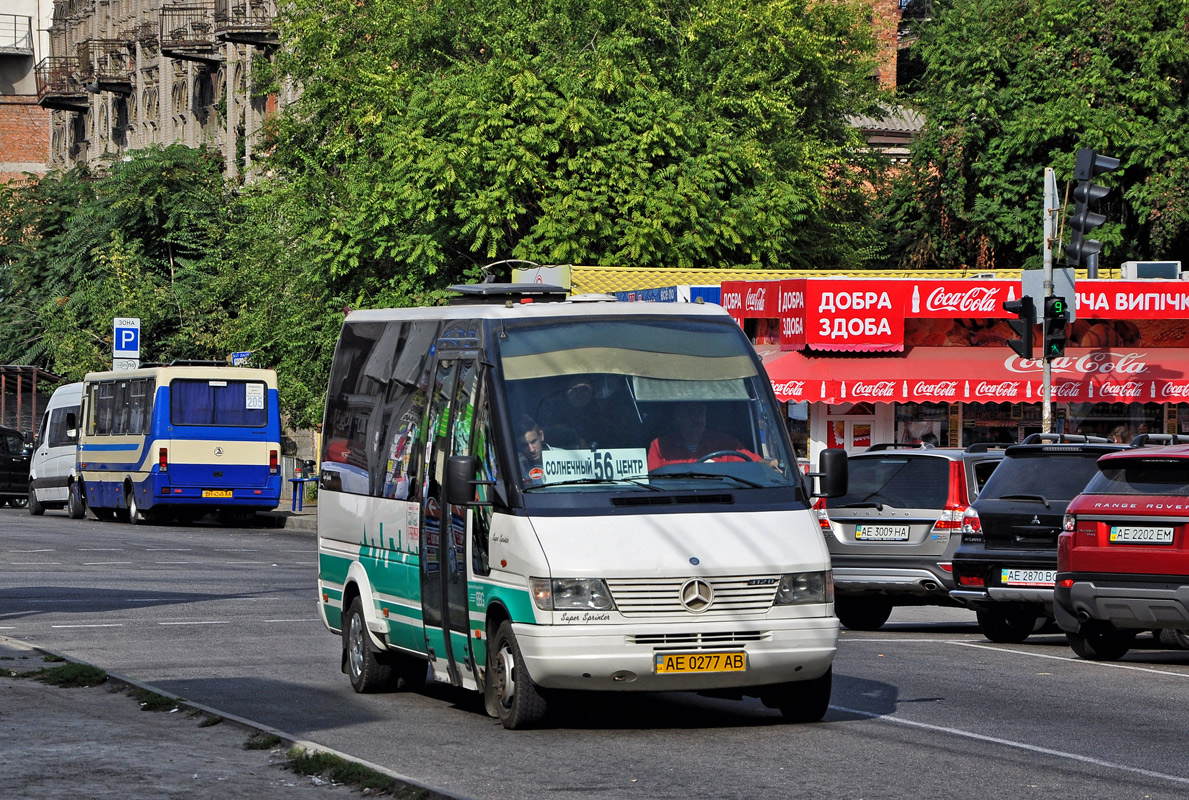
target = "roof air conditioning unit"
x: 1134, y: 270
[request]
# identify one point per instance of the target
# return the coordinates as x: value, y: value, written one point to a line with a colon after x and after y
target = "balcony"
x: 60, y: 84
x: 246, y: 22
x: 113, y: 66
x: 187, y: 32
x: 16, y: 35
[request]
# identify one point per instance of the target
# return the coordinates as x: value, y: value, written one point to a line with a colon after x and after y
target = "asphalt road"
x: 925, y: 707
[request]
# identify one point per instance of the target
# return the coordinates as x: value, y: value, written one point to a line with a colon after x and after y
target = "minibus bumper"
x: 612, y: 657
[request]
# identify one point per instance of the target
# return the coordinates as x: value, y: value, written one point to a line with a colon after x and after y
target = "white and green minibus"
x: 521, y: 494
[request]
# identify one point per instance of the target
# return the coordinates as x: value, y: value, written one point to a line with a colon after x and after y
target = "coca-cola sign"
x: 754, y: 301
x: 1096, y: 363
x: 976, y: 300
x: 789, y: 389
x: 873, y: 389
x: 1000, y: 389
x: 936, y: 389
x: 1126, y: 390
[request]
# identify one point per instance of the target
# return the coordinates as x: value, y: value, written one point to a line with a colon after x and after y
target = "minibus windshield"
x: 641, y: 405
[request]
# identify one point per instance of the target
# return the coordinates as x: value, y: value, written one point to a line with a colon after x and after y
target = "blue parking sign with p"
x: 126, y: 337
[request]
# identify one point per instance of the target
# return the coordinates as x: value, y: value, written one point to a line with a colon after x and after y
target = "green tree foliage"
x: 78, y: 250
x: 435, y: 137
x: 1013, y: 86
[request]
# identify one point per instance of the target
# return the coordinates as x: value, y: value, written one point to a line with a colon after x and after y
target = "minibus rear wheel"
x: 366, y: 672
x: 510, y: 690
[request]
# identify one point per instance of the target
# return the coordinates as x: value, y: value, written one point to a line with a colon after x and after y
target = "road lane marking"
x: 1071, y: 659
x: 100, y: 549
x: 104, y: 563
x: 1032, y: 748
x: 200, y: 622
x: 169, y: 549
x: 35, y: 563
x: 311, y: 619
x: 95, y: 625
x: 43, y: 550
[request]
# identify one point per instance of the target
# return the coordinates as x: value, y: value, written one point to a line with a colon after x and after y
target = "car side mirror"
x: 833, y: 475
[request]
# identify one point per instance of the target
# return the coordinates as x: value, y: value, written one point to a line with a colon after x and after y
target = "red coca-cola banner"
x: 982, y: 375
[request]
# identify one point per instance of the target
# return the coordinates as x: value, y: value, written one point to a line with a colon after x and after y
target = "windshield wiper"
x: 878, y: 506
x: 716, y: 475
x: 1039, y: 497
x: 597, y: 482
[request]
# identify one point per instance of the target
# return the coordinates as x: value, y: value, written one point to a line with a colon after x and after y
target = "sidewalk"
x: 304, y: 520
x: 96, y: 742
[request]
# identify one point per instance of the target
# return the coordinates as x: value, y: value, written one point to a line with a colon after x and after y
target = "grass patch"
x: 151, y: 701
x: 68, y: 676
x: 52, y: 659
x: 262, y: 741
x: 339, y: 770
x: 210, y: 722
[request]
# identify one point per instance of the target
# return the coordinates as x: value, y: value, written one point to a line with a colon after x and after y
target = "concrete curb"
x: 413, y: 787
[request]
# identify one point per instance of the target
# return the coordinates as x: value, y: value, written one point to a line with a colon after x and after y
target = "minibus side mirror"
x: 833, y: 473
x: 460, y: 481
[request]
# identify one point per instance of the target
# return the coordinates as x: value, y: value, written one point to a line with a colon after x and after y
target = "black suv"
x: 15, y: 453
x: 893, y: 535
x: 1006, y: 564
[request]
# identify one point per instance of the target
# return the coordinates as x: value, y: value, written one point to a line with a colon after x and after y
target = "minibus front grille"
x: 736, y: 594
x: 709, y: 641
x: 673, y: 500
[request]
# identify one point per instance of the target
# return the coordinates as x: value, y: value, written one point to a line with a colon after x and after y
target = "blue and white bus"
x: 180, y: 441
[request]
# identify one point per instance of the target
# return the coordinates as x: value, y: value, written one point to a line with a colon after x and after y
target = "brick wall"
x: 24, y: 137
x: 885, y: 18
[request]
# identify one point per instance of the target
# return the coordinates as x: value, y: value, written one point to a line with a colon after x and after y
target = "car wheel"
x: 1010, y: 626
x: 802, y: 701
x: 35, y: 508
x: 1173, y: 638
x: 365, y: 670
x: 75, y: 508
x: 1100, y: 643
x: 862, y: 613
x: 509, y: 691
x: 18, y: 502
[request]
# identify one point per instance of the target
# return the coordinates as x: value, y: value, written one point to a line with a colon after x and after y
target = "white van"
x: 523, y: 495
x: 52, y: 471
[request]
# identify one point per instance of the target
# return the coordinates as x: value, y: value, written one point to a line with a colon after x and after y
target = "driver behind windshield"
x: 690, y: 441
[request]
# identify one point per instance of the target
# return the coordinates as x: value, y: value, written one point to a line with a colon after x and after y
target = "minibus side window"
x: 483, y: 449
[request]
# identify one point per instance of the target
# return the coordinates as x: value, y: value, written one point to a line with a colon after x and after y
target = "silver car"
x: 893, y: 535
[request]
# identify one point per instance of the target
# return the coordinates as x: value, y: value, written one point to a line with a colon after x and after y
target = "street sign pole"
x: 1050, y: 233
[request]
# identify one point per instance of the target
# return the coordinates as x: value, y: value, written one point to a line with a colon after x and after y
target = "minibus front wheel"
x: 510, y: 692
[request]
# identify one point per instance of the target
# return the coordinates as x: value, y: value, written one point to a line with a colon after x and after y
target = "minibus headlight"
x: 571, y: 594
x: 805, y: 587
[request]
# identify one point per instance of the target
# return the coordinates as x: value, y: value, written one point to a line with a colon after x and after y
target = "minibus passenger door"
x: 444, y: 604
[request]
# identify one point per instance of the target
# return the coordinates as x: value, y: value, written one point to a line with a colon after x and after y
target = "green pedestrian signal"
x: 1056, y: 321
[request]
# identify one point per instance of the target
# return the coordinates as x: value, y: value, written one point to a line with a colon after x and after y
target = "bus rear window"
x: 238, y: 404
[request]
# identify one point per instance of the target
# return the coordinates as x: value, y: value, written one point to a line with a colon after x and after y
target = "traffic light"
x: 1085, y: 195
x: 1056, y: 319
x: 1022, y: 325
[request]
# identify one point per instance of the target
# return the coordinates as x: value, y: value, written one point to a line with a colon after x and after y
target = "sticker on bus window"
x: 254, y: 395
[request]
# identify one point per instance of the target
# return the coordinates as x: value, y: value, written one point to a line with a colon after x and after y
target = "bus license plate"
x: 686, y: 663
x: 1129, y: 534
x: 882, y: 533
x: 1028, y: 577
x: 216, y: 493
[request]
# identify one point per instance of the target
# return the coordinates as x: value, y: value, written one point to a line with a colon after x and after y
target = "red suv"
x: 1123, y: 555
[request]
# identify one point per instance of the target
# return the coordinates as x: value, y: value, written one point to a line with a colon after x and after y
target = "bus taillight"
x: 273, y: 467
x: 163, y: 459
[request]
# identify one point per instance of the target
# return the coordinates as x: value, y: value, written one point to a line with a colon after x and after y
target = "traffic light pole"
x: 1050, y: 235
